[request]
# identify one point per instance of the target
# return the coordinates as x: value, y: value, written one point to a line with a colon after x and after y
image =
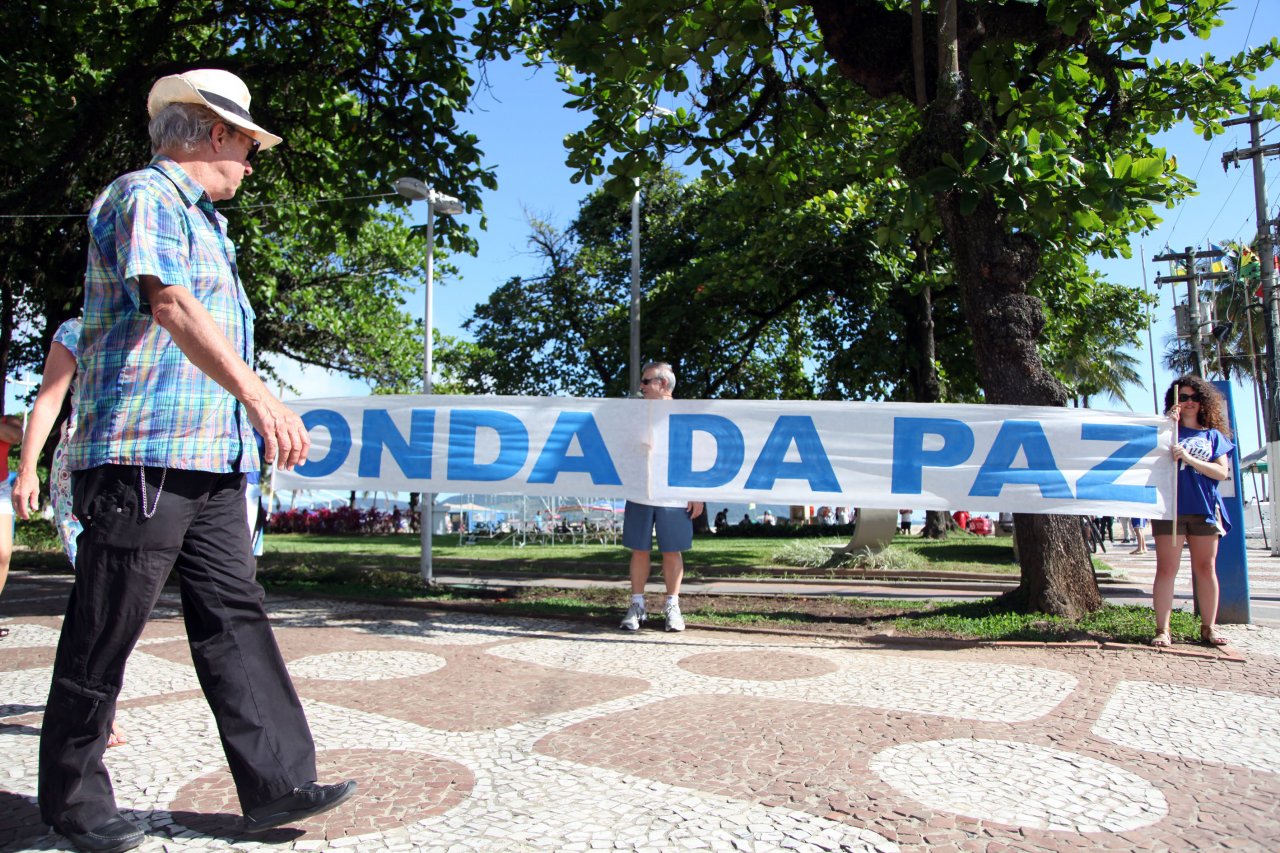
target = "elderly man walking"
x: 673, y: 521
x: 164, y: 436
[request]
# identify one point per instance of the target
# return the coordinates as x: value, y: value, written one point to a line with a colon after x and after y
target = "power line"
x: 1249, y: 31
x: 284, y: 203
x: 1225, y: 202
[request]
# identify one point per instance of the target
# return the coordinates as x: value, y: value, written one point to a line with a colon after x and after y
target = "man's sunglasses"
x: 650, y: 379
x: 253, y: 148
x: 1187, y: 398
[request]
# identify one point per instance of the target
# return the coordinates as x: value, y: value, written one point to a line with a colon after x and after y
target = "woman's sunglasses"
x: 1187, y: 398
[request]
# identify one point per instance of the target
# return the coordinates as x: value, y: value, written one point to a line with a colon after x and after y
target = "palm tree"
x: 1089, y: 370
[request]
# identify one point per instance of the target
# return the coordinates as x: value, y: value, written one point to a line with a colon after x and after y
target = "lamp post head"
x: 412, y: 189
x: 445, y: 204
x: 415, y: 190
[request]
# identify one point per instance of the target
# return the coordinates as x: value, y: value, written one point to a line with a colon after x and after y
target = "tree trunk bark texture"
x: 1051, y: 549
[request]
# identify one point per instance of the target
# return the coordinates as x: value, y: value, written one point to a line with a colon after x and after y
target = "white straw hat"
x: 220, y: 91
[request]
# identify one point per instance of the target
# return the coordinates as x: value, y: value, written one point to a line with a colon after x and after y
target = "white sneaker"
x: 635, y: 615
x: 675, y: 622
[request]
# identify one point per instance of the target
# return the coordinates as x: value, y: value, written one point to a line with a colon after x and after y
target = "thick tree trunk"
x: 936, y: 524
x: 1057, y: 573
x: 872, y: 46
x: 993, y: 267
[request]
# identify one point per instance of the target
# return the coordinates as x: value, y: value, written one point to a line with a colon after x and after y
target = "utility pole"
x: 1270, y: 298
x: 1194, y: 325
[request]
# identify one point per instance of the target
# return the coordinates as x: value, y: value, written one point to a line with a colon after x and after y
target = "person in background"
x: 164, y: 433
x: 1126, y: 530
x: 767, y: 518
x: 1201, y: 452
x: 1139, y: 526
x: 672, y: 519
x: 56, y: 385
x: 904, y: 521
x: 10, y: 434
x: 722, y: 519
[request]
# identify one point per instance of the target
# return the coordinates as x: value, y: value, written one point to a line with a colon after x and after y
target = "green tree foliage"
x: 777, y: 305
x: 1019, y: 131
x: 1088, y: 334
x: 362, y: 92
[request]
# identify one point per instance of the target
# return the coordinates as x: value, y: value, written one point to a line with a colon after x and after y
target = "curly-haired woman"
x: 1201, y: 453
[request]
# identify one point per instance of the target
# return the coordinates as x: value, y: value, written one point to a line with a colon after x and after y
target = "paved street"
x: 476, y: 733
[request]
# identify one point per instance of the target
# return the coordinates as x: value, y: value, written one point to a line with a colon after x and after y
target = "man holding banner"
x: 672, y: 519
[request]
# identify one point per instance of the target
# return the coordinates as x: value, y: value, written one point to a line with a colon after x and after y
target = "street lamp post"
x: 446, y: 205
x: 635, y: 269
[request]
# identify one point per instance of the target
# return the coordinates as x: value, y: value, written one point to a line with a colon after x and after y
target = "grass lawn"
x: 385, y: 568
x: 711, y: 555
x: 821, y: 615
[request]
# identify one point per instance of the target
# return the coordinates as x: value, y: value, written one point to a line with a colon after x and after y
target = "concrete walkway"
x: 475, y: 733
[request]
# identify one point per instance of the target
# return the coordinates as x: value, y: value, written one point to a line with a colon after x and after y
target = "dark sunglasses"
x: 253, y: 147
x: 651, y: 379
x: 1186, y: 398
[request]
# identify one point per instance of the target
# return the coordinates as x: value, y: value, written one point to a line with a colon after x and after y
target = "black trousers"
x: 199, y: 526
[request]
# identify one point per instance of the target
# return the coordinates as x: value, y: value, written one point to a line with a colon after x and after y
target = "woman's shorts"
x: 1188, y: 525
x: 675, y: 528
x: 6, y: 499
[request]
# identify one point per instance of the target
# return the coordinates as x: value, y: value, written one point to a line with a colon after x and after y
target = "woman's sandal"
x: 1161, y: 640
x: 4, y: 632
x: 1210, y: 637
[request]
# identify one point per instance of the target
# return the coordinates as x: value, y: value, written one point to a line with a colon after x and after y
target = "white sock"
x: 638, y: 599
x: 673, y: 599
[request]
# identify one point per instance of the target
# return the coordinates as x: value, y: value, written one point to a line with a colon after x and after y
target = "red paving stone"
x: 396, y: 787
x: 758, y: 666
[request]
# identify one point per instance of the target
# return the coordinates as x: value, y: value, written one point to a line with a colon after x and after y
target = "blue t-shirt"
x: 1198, y: 494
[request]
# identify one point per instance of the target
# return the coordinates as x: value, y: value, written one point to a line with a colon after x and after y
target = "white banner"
x: 874, y: 455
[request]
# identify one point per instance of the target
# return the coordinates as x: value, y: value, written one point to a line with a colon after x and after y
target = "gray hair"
x: 664, y: 371
x: 182, y: 127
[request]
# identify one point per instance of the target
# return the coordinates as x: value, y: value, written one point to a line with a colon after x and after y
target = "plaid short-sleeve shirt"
x: 142, y: 402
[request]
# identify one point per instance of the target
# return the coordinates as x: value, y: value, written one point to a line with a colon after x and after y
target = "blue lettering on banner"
x: 339, y: 442
x: 413, y: 456
x: 594, y: 460
x: 729, y: 451
x: 812, y: 466
x: 1099, y: 483
x: 513, y: 445
x: 1042, y: 469
x: 910, y: 458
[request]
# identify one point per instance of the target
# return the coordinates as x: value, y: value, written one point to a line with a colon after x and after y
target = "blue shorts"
x: 675, y: 528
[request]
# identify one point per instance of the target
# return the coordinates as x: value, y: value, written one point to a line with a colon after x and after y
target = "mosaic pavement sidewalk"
x: 474, y: 733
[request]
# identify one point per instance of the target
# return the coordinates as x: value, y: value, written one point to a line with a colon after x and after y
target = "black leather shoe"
x: 302, y: 802
x: 113, y: 836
